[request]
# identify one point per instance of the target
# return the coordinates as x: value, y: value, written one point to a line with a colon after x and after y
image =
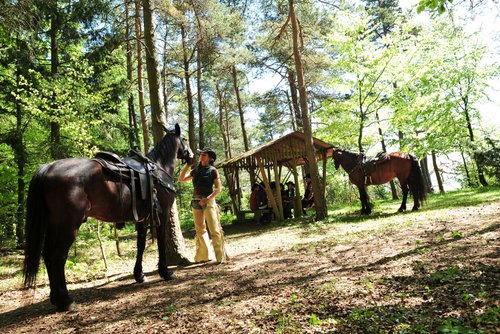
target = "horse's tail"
x: 417, y: 183
x: 36, y: 225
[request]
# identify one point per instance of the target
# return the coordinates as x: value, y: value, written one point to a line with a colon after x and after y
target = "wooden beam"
x: 267, y: 187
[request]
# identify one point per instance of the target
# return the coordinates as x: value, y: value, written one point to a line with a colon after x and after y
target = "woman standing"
x: 205, y: 176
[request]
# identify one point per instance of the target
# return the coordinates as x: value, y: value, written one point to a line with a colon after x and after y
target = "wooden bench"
x: 241, y: 215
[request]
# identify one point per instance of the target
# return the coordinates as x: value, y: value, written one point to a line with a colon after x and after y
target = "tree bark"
x: 425, y: 171
x: 394, y: 191
x: 201, y: 126
x: 20, y: 155
x: 467, y: 174
x: 158, y: 119
x: 133, y: 130
x: 295, y: 100
x: 480, y: 171
x: 55, y: 127
x: 319, y: 199
x: 438, y: 174
x: 140, y: 86
x: 242, y: 117
x: 176, y: 250
x: 223, y: 123
x: 189, y: 93
x: 290, y: 109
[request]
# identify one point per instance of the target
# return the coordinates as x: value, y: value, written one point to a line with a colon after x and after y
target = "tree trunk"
x: 480, y: 171
x: 189, y: 93
x: 133, y: 131
x: 242, y: 118
x: 20, y: 155
x: 319, y: 199
x: 140, y: 86
x: 201, y: 126
x: 292, y: 113
x: 436, y: 170
x: 469, y: 182
x: 176, y: 250
x: 295, y: 100
x: 394, y: 191
x: 425, y: 172
x: 158, y: 119
x: 55, y: 127
x: 164, y: 75
x: 223, y: 123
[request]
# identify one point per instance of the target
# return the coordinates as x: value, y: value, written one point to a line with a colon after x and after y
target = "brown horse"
x: 64, y: 193
x: 399, y: 165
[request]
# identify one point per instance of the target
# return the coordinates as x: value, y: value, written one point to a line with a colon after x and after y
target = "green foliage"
x: 445, y: 275
x: 453, y: 326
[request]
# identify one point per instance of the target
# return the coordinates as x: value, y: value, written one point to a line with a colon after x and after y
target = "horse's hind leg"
x: 416, y: 203
x: 60, y: 237
x: 141, y: 228
x: 404, y: 188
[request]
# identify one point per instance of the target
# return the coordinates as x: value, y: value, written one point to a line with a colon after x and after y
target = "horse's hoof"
x: 64, y: 308
x: 169, y: 276
x: 140, y: 278
x: 414, y: 209
x: 401, y: 210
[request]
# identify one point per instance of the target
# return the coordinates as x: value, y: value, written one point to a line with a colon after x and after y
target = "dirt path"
x: 362, y: 277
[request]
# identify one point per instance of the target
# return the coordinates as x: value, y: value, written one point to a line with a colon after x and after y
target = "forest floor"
x: 436, y: 270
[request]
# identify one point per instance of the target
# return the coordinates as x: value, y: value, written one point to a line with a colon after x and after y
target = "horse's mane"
x: 348, y: 152
x: 164, y: 151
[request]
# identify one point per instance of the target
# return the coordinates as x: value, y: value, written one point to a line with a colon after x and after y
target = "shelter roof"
x: 284, y: 149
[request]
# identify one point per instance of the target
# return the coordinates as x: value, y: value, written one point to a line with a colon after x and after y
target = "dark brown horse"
x: 64, y: 193
x: 399, y: 165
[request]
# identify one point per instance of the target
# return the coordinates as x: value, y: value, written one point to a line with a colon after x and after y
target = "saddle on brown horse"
x: 369, y: 164
x: 140, y: 173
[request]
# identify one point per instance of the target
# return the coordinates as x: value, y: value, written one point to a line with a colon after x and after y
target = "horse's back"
x: 65, y: 184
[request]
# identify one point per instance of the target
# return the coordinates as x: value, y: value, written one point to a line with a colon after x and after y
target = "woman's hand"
x: 183, y: 177
x: 203, y: 201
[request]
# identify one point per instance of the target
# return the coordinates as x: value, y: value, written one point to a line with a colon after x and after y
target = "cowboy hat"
x: 209, y: 151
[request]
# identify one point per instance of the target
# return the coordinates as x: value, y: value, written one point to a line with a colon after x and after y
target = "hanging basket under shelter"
x: 268, y: 160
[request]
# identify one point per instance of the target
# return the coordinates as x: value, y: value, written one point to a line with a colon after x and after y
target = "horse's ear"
x: 177, y: 129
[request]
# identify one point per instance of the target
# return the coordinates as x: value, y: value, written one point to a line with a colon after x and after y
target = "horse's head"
x: 184, y: 152
x: 337, y: 156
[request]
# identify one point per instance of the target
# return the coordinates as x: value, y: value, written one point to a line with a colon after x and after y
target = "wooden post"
x: 277, y: 182
x: 230, y: 185
x: 298, y: 203
x: 238, y: 189
x: 267, y: 188
x: 324, y: 173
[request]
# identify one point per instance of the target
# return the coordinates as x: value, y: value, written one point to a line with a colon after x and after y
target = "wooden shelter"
x: 268, y: 160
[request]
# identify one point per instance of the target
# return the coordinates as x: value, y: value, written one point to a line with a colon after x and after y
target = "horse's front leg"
x: 404, y: 188
x: 141, y: 228
x: 161, y: 229
x: 366, y: 208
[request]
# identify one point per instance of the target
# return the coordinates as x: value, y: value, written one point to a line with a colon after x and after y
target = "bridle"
x: 185, y: 150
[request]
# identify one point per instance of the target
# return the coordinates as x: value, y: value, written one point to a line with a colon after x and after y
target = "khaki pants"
x: 203, y: 249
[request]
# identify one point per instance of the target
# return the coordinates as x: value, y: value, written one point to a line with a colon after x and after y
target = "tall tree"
x: 140, y: 82
x: 319, y: 199
x: 133, y: 135
x: 176, y: 249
